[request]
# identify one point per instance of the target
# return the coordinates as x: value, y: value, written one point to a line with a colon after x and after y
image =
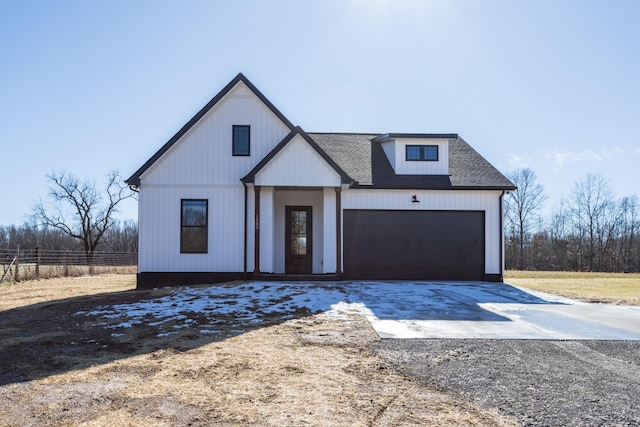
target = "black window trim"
x: 205, y: 226
x: 422, y: 153
x: 233, y: 140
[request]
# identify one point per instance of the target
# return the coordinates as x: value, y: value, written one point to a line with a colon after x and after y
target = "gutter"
x: 501, y: 206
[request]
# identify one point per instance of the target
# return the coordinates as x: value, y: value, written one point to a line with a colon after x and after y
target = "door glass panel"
x: 298, y: 232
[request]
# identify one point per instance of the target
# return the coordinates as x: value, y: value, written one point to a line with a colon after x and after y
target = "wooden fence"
x: 21, y: 264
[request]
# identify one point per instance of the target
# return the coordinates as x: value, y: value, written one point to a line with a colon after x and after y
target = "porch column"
x: 338, y: 233
x: 256, y: 244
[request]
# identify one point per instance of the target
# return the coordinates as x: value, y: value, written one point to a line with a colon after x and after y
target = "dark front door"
x: 298, y: 240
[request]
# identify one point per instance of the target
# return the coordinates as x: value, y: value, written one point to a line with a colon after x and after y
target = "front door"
x: 298, y: 242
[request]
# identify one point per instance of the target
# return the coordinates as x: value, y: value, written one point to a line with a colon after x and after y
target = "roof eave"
x: 392, y: 136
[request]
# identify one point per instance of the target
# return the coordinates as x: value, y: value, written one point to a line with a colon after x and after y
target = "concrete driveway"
x: 487, y: 310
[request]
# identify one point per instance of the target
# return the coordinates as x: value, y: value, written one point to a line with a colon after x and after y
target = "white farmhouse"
x: 241, y: 193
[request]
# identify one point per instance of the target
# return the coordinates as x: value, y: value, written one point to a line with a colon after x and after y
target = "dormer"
x: 417, y: 153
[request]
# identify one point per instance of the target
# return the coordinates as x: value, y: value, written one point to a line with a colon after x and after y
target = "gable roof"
x: 251, y: 176
x: 362, y: 157
x: 358, y: 157
x: 135, y: 178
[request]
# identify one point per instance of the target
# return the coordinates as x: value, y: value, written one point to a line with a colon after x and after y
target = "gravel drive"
x: 539, y: 382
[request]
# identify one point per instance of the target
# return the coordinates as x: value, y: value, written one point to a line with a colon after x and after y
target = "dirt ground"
x: 59, y: 368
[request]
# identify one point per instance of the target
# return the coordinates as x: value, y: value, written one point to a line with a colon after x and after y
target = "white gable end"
x: 203, y: 155
x: 298, y: 164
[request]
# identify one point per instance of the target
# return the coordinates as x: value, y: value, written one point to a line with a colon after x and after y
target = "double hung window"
x: 194, y: 230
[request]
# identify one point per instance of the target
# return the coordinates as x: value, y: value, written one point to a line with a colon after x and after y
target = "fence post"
x: 65, y: 270
x: 37, y: 262
x: 16, y: 277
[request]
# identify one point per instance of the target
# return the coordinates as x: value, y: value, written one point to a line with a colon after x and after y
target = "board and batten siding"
x: 451, y: 200
x: 201, y: 166
x: 159, y: 219
x: 204, y: 154
x: 300, y: 165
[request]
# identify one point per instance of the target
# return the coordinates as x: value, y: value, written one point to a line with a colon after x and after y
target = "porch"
x: 296, y: 233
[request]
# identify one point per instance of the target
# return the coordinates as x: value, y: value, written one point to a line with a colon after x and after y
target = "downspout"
x: 501, y: 235
x: 246, y: 212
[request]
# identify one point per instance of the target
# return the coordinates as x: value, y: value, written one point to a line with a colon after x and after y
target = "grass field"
x: 611, y: 288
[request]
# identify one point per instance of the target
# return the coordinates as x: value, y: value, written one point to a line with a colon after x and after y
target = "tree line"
x: 590, y: 230
x: 122, y: 236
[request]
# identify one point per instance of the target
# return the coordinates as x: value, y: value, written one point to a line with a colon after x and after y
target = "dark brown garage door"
x: 413, y: 245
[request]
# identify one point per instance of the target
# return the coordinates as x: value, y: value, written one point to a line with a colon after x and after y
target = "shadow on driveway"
x: 455, y: 301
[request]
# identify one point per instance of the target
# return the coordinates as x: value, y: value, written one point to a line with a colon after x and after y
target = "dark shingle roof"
x: 365, y: 161
x: 351, y: 151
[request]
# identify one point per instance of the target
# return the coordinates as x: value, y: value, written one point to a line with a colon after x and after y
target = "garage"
x: 413, y: 245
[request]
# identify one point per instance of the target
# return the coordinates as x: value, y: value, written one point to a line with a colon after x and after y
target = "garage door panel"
x: 414, y: 245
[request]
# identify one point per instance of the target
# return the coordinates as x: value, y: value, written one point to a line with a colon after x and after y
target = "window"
x: 427, y: 153
x: 193, y: 226
x: 241, y: 140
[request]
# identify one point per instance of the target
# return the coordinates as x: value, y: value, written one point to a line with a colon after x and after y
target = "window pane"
x: 299, y: 245
x: 193, y: 239
x: 194, y: 212
x: 430, y: 152
x: 298, y: 222
x: 241, y: 140
x: 413, y: 152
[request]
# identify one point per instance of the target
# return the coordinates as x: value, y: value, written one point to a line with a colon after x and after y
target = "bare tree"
x: 594, y: 214
x: 82, y: 211
x: 522, y: 206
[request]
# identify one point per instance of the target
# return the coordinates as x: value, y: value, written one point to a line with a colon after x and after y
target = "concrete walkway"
x: 487, y: 310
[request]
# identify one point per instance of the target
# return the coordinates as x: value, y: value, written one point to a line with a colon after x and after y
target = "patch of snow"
x: 165, y: 334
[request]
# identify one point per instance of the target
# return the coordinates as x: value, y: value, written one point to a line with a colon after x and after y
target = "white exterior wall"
x: 201, y: 166
x: 203, y: 155
x: 389, y: 149
x: 329, y: 230
x: 300, y: 165
x: 159, y: 219
x: 267, y: 224
x: 487, y: 201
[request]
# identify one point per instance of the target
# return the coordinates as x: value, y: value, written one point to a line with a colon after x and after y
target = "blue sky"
x: 550, y: 85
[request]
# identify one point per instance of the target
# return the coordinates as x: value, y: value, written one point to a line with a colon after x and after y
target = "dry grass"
x: 28, y: 271
x: 612, y: 288
x: 316, y: 370
x: 20, y: 294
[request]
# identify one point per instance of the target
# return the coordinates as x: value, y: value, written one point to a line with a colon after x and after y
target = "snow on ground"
x: 394, y: 309
x: 245, y: 304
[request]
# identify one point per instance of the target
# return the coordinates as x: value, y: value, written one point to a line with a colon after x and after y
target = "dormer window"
x: 422, y: 153
x: 241, y: 140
